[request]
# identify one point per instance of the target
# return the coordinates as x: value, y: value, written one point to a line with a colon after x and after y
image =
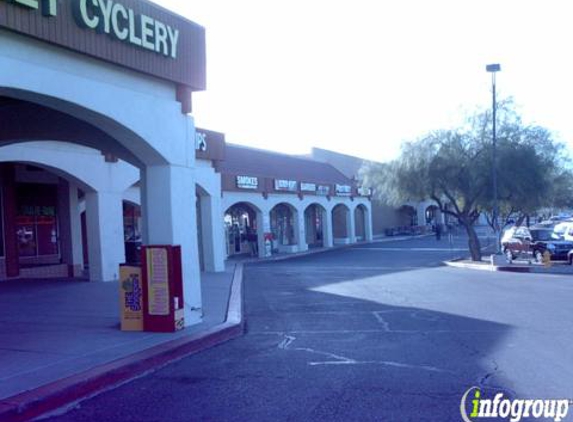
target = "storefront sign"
x: 158, y: 281
x: 323, y: 190
x: 286, y: 185
x: 343, y: 190
x: 116, y: 20
x: 123, y: 32
x: 210, y: 145
x: 123, y: 24
x: 247, y: 182
x: 362, y: 191
x: 200, y: 141
x: 308, y: 187
x: 49, y: 7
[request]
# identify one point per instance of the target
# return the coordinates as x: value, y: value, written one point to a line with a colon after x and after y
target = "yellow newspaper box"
x: 130, y: 298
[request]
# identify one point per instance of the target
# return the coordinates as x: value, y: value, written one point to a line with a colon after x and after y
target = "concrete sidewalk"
x: 56, y: 335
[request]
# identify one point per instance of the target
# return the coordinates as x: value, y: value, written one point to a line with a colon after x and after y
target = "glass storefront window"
x: 282, y: 225
x: 36, y: 222
x: 132, y: 232
x: 26, y: 234
x: 314, y: 224
x: 37, y: 233
x: 131, y: 222
x: 241, y: 229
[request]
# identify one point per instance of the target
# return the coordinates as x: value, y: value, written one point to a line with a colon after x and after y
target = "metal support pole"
x: 493, y: 68
x: 494, y: 168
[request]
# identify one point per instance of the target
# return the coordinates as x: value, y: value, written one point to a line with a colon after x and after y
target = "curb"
x: 50, y: 397
x: 482, y: 267
x: 507, y: 268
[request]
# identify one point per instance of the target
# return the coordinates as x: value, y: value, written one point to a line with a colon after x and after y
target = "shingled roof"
x: 241, y: 160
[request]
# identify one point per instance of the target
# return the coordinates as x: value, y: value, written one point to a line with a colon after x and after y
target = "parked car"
x: 532, y: 242
x: 565, y: 230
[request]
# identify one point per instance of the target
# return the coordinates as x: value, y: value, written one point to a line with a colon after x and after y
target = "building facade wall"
x: 142, y: 116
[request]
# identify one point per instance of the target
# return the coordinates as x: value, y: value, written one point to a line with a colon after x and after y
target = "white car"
x: 507, y: 235
x: 565, y: 230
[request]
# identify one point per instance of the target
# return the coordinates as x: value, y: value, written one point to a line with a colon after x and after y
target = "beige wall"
x: 385, y: 216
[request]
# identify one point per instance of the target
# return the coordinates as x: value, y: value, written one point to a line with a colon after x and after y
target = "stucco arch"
x: 317, y: 225
x: 285, y: 226
x: 342, y: 223
x: 318, y: 204
x: 69, y: 176
x: 60, y: 120
x: 138, y: 111
x: 83, y: 166
x: 286, y: 204
x: 248, y: 203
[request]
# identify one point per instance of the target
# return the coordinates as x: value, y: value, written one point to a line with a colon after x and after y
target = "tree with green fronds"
x: 453, y: 167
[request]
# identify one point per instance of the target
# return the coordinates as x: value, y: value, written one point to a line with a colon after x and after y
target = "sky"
x: 361, y: 76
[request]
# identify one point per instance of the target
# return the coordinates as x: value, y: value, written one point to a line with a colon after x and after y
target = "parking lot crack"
x: 335, y: 359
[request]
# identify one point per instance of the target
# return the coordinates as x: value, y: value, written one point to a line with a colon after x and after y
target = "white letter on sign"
x: 93, y: 21
x: 174, y: 38
x: 117, y: 10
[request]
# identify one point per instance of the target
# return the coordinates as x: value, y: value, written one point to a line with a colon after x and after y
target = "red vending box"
x: 162, y: 289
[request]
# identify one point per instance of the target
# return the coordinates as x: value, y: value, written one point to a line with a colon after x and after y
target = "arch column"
x: 212, y: 230
x: 263, y: 226
x: 301, y: 230
x: 169, y: 218
x: 104, y: 218
x: 350, y: 226
x: 368, y: 224
x: 421, y: 213
x: 327, y: 230
x: 70, y: 233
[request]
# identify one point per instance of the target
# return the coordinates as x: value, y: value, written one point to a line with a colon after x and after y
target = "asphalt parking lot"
x: 378, y: 332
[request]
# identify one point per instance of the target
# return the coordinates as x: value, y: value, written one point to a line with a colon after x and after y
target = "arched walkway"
x: 316, y: 228
x: 242, y: 229
x: 162, y: 185
x: 433, y: 215
x: 59, y: 95
x: 284, y: 228
x: 39, y: 215
x: 342, y: 225
x: 360, y: 218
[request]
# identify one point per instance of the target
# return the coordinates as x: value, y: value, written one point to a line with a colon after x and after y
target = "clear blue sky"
x: 361, y: 76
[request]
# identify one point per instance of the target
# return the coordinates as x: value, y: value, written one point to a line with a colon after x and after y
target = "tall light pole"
x: 493, y: 69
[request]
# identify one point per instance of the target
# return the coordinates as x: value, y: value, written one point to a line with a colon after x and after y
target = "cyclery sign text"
x: 117, y: 21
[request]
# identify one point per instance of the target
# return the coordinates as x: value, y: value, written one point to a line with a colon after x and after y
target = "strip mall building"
x: 99, y: 152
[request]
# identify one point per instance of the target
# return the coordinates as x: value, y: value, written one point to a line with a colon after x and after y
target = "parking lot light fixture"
x: 493, y: 69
